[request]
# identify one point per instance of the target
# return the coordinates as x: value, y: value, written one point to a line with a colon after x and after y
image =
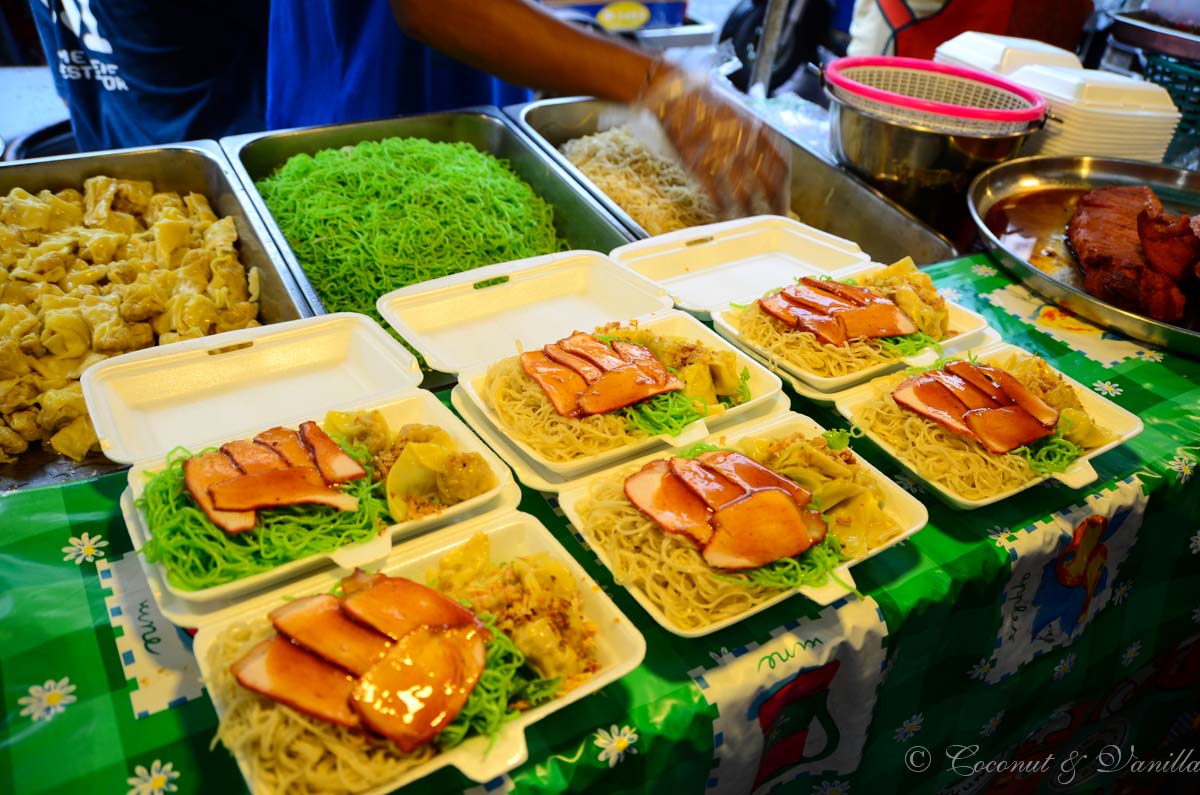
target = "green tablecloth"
x: 967, y: 640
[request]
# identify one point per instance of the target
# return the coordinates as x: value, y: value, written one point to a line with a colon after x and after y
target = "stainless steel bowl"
x: 925, y: 171
x: 823, y: 195
x: 198, y: 166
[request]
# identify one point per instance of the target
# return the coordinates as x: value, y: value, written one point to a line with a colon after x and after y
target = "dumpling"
x: 76, y: 439
x: 63, y: 214
x: 110, y: 333
x: 160, y: 202
x: 65, y: 333
x: 23, y: 209
x: 99, y: 246
x: 170, y: 233
x: 228, y: 285
x: 144, y: 299
x: 133, y: 195
x: 11, y: 444
x: 221, y: 235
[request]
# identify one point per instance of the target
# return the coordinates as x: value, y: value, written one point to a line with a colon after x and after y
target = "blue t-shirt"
x: 334, y: 61
x: 139, y: 72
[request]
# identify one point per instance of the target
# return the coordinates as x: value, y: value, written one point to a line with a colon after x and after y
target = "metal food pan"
x: 823, y: 195
x: 578, y: 217
x: 1179, y: 190
x: 198, y: 166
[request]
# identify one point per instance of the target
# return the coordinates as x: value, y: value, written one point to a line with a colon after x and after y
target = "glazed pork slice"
x: 859, y: 296
x: 279, y: 487
x: 561, y: 384
x: 202, y: 472
x: 661, y: 495
x: 828, y: 330
x: 971, y: 396
x: 928, y: 397
x: 396, y: 606
x: 751, y: 475
x: 252, y: 457
x: 419, y: 688
x: 624, y: 386
x: 332, y: 461
x: 284, y: 672
x: 287, y: 443
x: 876, y: 320
x: 1042, y: 411
x: 588, y: 371
x: 815, y: 298
x: 1002, y: 430
x: 973, y: 376
x: 318, y: 624
x: 713, y: 488
x: 592, y: 349
x: 764, y: 527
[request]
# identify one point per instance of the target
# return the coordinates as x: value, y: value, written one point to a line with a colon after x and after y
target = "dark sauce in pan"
x: 1033, y: 226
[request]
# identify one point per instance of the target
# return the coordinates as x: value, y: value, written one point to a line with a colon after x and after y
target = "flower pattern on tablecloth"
x: 615, y: 743
x: 909, y: 728
x: 1194, y: 544
x: 981, y: 669
x: 908, y: 484
x: 1107, y: 388
x: 1121, y: 591
x: 1131, y: 653
x: 1183, y: 467
x: 951, y: 294
x: 998, y: 535
x: 832, y: 788
x: 1148, y: 356
x: 159, y: 779
x: 47, y: 700
x: 992, y: 724
x: 1064, y: 666
x: 85, y: 547
x: 983, y: 270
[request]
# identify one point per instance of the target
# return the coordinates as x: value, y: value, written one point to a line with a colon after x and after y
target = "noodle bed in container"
x: 572, y: 363
x: 989, y: 423
x: 262, y: 454
x: 443, y: 656
x: 707, y: 536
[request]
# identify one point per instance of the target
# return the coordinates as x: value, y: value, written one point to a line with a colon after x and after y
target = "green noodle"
x: 811, y: 569
x: 197, y: 554
x: 908, y: 344
x: 504, y: 681
x: 668, y: 413
x: 1051, y: 454
x: 368, y: 219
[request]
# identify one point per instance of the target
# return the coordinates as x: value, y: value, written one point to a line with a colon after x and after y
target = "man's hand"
x: 739, y: 159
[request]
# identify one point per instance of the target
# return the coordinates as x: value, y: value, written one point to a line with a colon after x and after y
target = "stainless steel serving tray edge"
x: 891, y: 233
x: 199, y: 166
x: 1032, y: 173
x: 579, y: 218
x: 1130, y: 28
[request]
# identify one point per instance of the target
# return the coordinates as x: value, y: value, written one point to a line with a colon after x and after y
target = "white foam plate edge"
x: 539, y: 479
x: 909, y: 513
x: 672, y: 243
x: 620, y: 646
x: 390, y: 305
x: 763, y: 383
x: 1124, y: 424
x: 426, y: 409
x: 974, y: 325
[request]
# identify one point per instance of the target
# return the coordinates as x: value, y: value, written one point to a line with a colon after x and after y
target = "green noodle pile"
x: 504, y: 681
x: 368, y: 219
x: 197, y: 554
x: 669, y: 413
x: 1051, y: 454
x: 811, y: 569
x: 908, y: 344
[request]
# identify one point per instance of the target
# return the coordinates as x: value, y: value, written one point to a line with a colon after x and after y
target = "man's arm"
x: 525, y: 44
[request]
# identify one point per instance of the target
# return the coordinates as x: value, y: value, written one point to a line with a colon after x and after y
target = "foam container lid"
x: 469, y: 320
x: 197, y: 392
x: 1002, y: 54
x: 907, y: 511
x: 619, y: 646
x: 1092, y: 88
x: 706, y: 267
x: 1123, y: 424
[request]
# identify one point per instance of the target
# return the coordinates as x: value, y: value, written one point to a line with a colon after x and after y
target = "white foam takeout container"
x: 201, y: 393
x: 464, y: 323
x: 1121, y: 423
x: 701, y: 266
x: 905, y: 509
x: 966, y: 329
x: 619, y: 646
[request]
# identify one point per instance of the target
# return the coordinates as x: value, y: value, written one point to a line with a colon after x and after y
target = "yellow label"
x: 623, y: 16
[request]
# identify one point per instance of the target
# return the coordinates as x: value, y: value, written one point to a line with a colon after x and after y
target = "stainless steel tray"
x: 198, y: 166
x: 1178, y: 189
x: 578, y: 217
x: 823, y: 195
x: 1134, y: 29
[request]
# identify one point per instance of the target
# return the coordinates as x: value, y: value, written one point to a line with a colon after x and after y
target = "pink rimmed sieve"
x: 935, y: 96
